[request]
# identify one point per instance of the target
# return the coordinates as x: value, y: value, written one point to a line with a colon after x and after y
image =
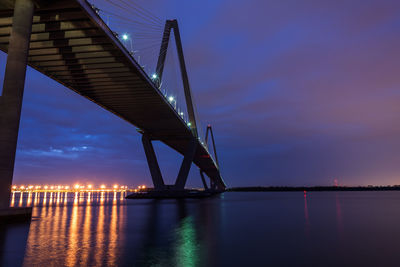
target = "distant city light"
x: 75, y: 188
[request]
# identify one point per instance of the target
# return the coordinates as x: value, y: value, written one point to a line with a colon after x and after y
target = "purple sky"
x: 298, y: 93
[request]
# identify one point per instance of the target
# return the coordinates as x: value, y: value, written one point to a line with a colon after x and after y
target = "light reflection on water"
x: 28, y: 199
x: 95, y: 229
x: 70, y: 229
x: 234, y: 229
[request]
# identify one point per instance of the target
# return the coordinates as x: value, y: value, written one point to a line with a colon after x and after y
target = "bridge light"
x: 154, y: 76
x: 189, y: 124
x: 125, y: 37
x: 171, y: 98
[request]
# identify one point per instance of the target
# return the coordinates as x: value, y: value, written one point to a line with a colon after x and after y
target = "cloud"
x: 298, y: 92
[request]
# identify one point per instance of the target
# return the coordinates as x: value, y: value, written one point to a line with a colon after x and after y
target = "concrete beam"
x: 13, y: 90
x: 186, y: 164
x: 203, y: 180
x: 153, y: 164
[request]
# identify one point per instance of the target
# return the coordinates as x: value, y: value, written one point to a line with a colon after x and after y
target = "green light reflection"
x: 187, y: 248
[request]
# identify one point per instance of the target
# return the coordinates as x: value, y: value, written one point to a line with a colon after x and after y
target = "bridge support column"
x: 13, y: 90
x: 203, y: 180
x: 186, y: 164
x: 155, y: 171
x: 153, y: 163
x: 212, y: 185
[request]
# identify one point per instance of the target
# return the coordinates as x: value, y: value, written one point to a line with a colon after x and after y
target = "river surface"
x: 233, y: 229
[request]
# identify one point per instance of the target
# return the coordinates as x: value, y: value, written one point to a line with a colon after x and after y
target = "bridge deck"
x: 72, y: 45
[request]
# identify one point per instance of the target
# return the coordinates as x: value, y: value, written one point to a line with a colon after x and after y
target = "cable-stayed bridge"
x: 69, y: 42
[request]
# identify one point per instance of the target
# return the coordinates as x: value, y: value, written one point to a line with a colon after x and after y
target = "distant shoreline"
x: 312, y: 188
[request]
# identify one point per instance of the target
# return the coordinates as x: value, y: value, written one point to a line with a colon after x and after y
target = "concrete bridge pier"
x: 11, y: 98
x: 185, y: 166
x: 177, y: 190
x: 155, y: 171
x: 203, y: 180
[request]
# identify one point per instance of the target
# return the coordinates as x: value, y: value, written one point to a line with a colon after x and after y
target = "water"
x: 234, y: 229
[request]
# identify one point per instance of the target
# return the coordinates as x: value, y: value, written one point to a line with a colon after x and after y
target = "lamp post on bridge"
x: 171, y: 100
x: 126, y: 37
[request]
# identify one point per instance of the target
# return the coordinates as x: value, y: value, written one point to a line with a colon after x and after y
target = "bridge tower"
x: 189, y: 155
x: 209, y: 130
x: 173, y: 24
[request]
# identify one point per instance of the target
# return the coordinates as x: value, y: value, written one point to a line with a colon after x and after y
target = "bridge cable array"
x: 141, y: 32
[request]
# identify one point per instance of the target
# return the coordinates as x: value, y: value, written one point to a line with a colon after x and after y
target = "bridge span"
x: 68, y: 41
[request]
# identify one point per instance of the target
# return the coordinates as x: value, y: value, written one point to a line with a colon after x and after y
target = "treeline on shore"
x: 312, y: 188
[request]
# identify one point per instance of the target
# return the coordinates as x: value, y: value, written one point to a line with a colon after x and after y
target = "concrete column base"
x: 15, y: 214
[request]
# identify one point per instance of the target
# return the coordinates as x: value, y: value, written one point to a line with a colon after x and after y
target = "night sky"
x: 298, y: 93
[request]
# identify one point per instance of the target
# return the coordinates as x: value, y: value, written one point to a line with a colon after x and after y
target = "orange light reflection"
x: 20, y: 199
x: 29, y: 199
x: 12, y: 199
